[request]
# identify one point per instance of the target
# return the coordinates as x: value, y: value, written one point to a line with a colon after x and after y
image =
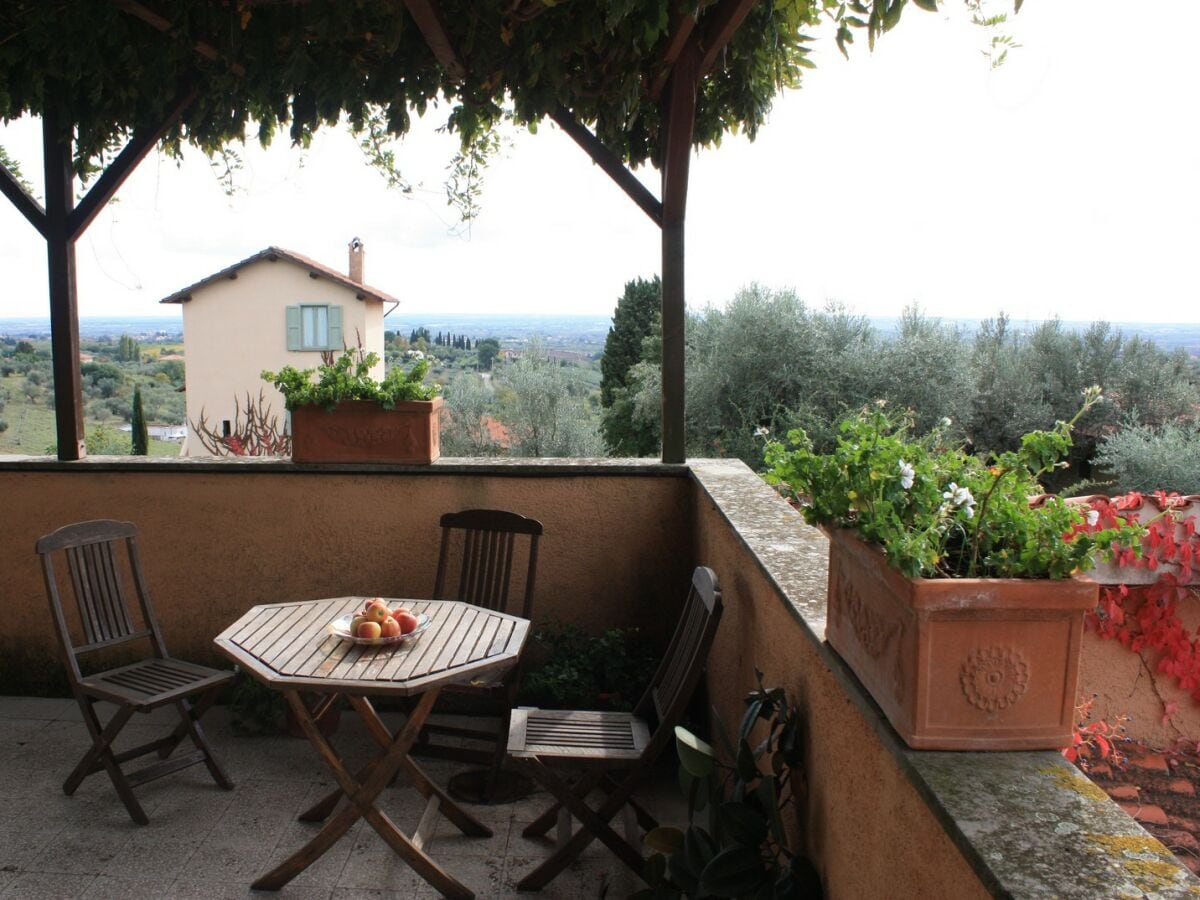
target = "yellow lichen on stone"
x: 1130, y: 843
x: 1064, y: 778
x: 1161, y: 871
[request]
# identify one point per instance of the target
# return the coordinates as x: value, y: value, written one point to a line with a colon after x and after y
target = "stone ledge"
x: 494, y: 466
x: 1029, y: 823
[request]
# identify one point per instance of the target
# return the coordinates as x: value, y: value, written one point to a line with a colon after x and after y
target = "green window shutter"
x: 335, y: 328
x: 293, y: 328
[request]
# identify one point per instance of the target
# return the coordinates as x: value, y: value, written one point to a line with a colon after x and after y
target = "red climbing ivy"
x: 1145, y: 617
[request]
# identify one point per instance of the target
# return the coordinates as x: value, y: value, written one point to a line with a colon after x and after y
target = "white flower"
x: 960, y: 496
x: 906, y: 475
x: 945, y: 421
x: 1093, y: 517
x: 762, y: 431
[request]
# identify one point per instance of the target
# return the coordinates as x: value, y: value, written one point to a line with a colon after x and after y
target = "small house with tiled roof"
x: 273, y: 309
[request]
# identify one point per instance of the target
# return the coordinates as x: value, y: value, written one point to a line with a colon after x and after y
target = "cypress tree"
x: 632, y: 322
x: 141, y: 434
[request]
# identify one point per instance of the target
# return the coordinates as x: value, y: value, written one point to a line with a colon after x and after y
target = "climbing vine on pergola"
x: 632, y: 81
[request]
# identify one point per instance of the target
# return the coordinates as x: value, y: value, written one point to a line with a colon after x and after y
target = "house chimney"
x: 356, y: 260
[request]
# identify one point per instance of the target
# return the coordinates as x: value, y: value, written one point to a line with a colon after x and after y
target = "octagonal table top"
x: 289, y: 646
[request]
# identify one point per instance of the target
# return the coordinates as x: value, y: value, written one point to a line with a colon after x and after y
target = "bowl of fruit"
x: 377, y: 623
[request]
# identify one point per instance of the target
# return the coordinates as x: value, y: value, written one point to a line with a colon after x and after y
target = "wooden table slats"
x: 289, y: 645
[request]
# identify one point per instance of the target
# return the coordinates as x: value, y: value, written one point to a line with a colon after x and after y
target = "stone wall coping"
x: 1029, y: 823
x: 494, y: 466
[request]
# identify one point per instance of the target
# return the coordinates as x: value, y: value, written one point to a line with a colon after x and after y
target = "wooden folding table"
x: 288, y: 646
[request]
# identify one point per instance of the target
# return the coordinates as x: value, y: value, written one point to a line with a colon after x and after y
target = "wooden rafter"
x: 154, y: 20
x: 606, y: 160
x: 11, y: 188
x: 433, y: 28
x: 682, y: 22
x: 119, y: 169
x: 719, y: 29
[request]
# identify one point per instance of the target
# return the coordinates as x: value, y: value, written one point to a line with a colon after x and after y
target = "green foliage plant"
x: 736, y: 843
x: 1145, y: 458
x: 348, y: 377
x: 937, y: 511
x: 572, y: 669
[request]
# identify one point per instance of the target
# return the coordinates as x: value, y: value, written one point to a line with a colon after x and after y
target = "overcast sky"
x: 1066, y: 182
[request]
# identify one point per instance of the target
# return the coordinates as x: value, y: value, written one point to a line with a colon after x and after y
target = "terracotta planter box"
x: 959, y: 664
x: 361, y: 431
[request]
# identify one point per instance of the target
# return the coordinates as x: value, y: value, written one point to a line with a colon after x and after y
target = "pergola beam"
x: 608, y: 161
x: 680, y: 118
x: 12, y: 188
x: 157, y: 22
x: 719, y: 31
x: 433, y: 28
x: 122, y: 167
x: 64, y: 306
x: 682, y: 23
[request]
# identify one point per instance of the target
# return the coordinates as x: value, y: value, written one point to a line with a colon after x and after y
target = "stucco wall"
x: 214, y: 544
x: 868, y: 824
x: 235, y: 328
x: 1125, y: 683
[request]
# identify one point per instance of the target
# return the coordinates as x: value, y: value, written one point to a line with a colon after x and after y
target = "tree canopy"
x: 118, y: 65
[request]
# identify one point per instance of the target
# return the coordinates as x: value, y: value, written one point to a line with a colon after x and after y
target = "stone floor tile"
x: 35, y: 707
x: 325, y: 871
x: 106, y: 887
x: 483, y: 875
x: 20, y: 847
x: 81, y: 852
x: 186, y: 889
x: 47, y: 886
x: 585, y: 879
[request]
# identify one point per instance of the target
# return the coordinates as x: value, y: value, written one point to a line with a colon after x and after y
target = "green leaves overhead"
x: 302, y: 65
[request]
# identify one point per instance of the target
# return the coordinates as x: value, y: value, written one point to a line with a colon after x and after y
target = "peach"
x: 408, y: 622
x: 368, y: 629
x: 389, y: 628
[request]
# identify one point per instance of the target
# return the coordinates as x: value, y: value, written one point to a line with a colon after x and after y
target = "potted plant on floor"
x: 950, y: 594
x: 345, y: 415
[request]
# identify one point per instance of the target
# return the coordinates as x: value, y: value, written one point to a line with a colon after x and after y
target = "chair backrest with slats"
x: 485, y: 542
x: 98, y: 585
x: 682, y: 664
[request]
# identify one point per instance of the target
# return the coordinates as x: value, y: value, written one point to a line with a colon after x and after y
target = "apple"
x: 408, y: 622
x: 390, y: 627
x: 399, y: 611
x: 355, y: 622
x: 368, y: 629
x: 377, y: 612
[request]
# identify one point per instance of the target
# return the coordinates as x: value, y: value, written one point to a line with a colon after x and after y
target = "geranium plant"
x: 938, y: 511
x: 349, y: 378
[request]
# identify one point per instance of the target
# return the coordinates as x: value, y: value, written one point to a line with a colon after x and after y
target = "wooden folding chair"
x: 103, y: 618
x: 615, y: 751
x: 481, y: 546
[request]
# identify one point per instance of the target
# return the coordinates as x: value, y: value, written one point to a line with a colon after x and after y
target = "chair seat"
x: 576, y: 734
x: 152, y: 682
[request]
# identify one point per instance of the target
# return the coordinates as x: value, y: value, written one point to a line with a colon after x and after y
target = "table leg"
x: 361, y: 796
x: 463, y: 820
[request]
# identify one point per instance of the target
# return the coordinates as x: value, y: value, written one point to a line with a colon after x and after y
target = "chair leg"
x: 546, y: 820
x: 594, y: 825
x: 189, y: 715
x: 101, y: 753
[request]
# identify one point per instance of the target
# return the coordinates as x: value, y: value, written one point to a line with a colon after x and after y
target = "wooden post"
x: 679, y: 115
x: 64, y: 311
